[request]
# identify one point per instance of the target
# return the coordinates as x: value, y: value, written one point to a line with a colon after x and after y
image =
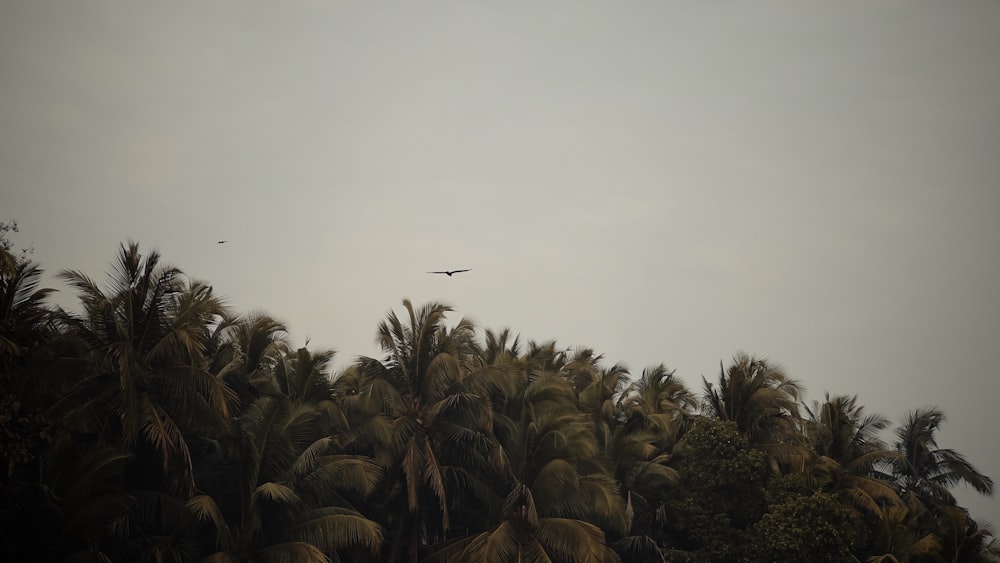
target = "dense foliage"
x: 154, y: 424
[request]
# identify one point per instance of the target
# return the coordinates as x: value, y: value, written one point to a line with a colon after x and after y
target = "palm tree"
x: 79, y: 502
x: 963, y: 540
x: 22, y: 310
x: 660, y: 391
x: 303, y: 376
x: 559, y: 457
x: 640, y: 452
x: 148, y: 384
x: 524, y: 536
x: 290, y: 497
x: 442, y: 422
x: 159, y: 527
x: 661, y: 398
x: 657, y: 408
x: 763, y: 402
x: 543, y: 357
x: 847, y: 448
x: 29, y: 381
x: 499, y: 349
x: 244, y: 352
x: 599, y: 391
x: 923, y: 472
x: 562, y: 497
x: 900, y: 539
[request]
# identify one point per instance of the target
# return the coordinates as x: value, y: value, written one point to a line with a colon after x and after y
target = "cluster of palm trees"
x: 154, y: 424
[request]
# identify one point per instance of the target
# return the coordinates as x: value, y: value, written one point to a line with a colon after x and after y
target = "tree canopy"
x: 156, y: 424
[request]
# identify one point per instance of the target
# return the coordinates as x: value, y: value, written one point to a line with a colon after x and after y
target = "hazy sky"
x: 815, y: 182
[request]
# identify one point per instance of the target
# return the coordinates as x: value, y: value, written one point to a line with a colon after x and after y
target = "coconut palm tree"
x: 848, y: 451
x: 663, y: 400
x: 148, y: 383
x: 524, y: 536
x: 304, y: 376
x: 79, y: 502
x: 923, y: 472
x: 763, y: 402
x: 442, y: 423
x: 562, y: 497
x: 499, y: 349
x: 560, y: 458
x: 660, y: 391
x: 963, y: 540
x: 900, y: 539
x: 657, y: 408
x: 244, y: 351
x: 290, y: 497
x: 22, y: 310
x: 599, y: 391
x: 641, y: 459
x: 543, y: 357
x: 159, y: 527
x: 29, y: 374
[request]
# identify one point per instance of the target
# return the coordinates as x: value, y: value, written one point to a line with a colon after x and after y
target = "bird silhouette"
x: 450, y: 272
x: 222, y: 242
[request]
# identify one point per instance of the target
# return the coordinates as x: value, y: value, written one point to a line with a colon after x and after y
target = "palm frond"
x: 275, y: 492
x: 638, y: 548
x: 205, y: 508
x: 333, y: 529
x: 554, y: 482
x: 342, y: 473
x: 502, y: 545
x: 464, y: 409
x: 433, y: 476
x: 442, y: 372
x: 271, y: 453
x: 573, y: 540
x: 308, y: 460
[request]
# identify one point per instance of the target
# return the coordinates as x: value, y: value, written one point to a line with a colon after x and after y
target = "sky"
x: 675, y: 182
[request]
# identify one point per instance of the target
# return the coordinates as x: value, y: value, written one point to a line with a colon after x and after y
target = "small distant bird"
x: 222, y: 242
x: 450, y: 272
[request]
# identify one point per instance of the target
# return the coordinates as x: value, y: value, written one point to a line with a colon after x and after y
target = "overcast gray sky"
x: 815, y: 182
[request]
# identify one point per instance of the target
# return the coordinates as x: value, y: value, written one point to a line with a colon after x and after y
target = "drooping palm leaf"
x: 332, y: 528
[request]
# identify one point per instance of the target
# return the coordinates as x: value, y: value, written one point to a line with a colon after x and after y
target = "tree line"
x: 156, y: 424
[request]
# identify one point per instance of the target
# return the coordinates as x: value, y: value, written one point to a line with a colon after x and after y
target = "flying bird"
x: 222, y: 242
x: 450, y: 272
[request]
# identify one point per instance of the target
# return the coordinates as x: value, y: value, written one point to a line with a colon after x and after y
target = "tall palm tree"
x: 543, y: 357
x: 148, y: 383
x: 562, y: 497
x: 661, y: 398
x: 900, y: 539
x: 655, y: 410
x: 963, y: 540
x: 289, y: 496
x: 22, y: 310
x: 304, y: 375
x: 923, y: 472
x: 561, y: 460
x: 524, y: 536
x: 640, y: 453
x: 78, y: 501
x: 848, y: 451
x: 599, y: 390
x: 660, y: 391
x: 763, y: 402
x: 244, y: 350
x: 442, y: 428
x: 29, y: 373
x: 499, y: 348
